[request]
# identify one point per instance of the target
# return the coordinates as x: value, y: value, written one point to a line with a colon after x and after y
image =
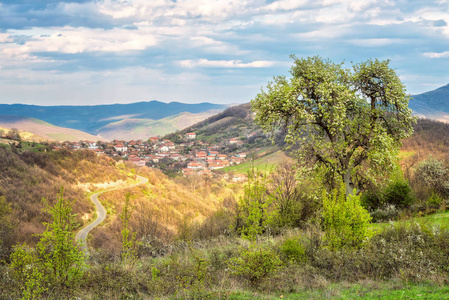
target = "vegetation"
x: 56, y: 260
x: 279, y: 235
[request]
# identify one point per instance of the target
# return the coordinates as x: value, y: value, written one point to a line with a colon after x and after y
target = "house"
x: 216, y: 165
x: 241, y: 155
x: 91, y: 145
x: 233, y: 141
x: 176, y: 156
x: 190, y: 135
x: 120, y: 148
x: 239, y: 178
x: 195, y: 166
x: 222, y: 156
x: 163, y: 149
x: 213, y: 153
x: 201, y: 154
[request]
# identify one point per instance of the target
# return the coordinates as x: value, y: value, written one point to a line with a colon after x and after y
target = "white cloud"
x: 225, y: 64
x: 444, y: 54
x: 380, y: 42
x: 5, y: 38
x: 78, y: 40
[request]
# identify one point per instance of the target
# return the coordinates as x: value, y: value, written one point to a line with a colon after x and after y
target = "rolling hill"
x: 131, y: 128
x: 92, y: 119
x: 43, y: 130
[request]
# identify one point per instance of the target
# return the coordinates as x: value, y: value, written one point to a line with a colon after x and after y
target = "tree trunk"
x: 348, y: 183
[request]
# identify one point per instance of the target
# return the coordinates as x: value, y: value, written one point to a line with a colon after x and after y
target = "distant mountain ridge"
x: 91, y: 119
x: 433, y: 104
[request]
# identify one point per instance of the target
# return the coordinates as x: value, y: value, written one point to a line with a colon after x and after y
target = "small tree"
x: 253, y: 214
x: 345, y: 221
x: 57, y: 260
x: 128, y: 238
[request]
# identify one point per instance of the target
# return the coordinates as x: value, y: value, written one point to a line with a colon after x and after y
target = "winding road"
x: 81, y: 236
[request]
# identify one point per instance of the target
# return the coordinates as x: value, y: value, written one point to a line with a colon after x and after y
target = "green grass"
x: 440, y: 219
x: 265, y: 163
x: 371, y: 290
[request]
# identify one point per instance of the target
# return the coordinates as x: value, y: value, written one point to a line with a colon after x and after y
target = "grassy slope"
x: 266, y: 162
x: 38, y: 130
x: 144, y: 128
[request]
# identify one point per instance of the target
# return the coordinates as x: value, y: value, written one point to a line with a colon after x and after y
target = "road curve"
x: 81, y: 236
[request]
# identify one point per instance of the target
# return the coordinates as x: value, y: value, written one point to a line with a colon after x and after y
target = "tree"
x: 57, y: 260
x: 348, y: 122
x: 128, y: 238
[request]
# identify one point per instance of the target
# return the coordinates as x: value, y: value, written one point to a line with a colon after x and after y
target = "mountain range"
x: 141, y: 119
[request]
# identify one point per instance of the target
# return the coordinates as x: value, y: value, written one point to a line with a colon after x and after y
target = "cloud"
x: 5, y: 38
x: 79, y: 40
x: 231, y: 43
x: 444, y: 54
x: 224, y: 64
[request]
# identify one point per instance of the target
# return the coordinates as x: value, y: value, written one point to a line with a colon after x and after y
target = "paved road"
x: 101, y: 213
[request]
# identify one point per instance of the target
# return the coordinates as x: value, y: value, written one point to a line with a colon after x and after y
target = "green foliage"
x: 255, y: 264
x: 434, y: 201
x: 57, y: 259
x: 350, y: 122
x: 253, y: 215
x: 345, y: 221
x: 6, y: 227
x: 294, y: 249
x: 398, y: 193
x: 128, y: 238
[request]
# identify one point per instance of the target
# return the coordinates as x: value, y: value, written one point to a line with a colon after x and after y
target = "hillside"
x: 42, y: 130
x: 92, y: 119
x: 433, y: 104
x: 131, y: 128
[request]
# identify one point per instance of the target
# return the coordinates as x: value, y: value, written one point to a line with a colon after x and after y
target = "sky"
x: 99, y: 52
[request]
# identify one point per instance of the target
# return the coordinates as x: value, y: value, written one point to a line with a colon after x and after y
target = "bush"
x: 434, y: 201
x: 294, y: 249
x: 431, y: 177
x: 398, y: 193
x: 255, y: 264
x: 345, y: 220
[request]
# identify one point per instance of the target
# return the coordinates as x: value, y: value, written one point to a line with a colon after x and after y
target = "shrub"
x: 399, y: 194
x: 255, y: 264
x: 434, y: 201
x: 345, y: 220
x: 431, y: 176
x: 294, y: 249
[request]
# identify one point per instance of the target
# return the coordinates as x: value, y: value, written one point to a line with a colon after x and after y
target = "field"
x: 266, y: 162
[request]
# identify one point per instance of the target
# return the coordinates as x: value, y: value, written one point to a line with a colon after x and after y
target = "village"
x: 189, y: 156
